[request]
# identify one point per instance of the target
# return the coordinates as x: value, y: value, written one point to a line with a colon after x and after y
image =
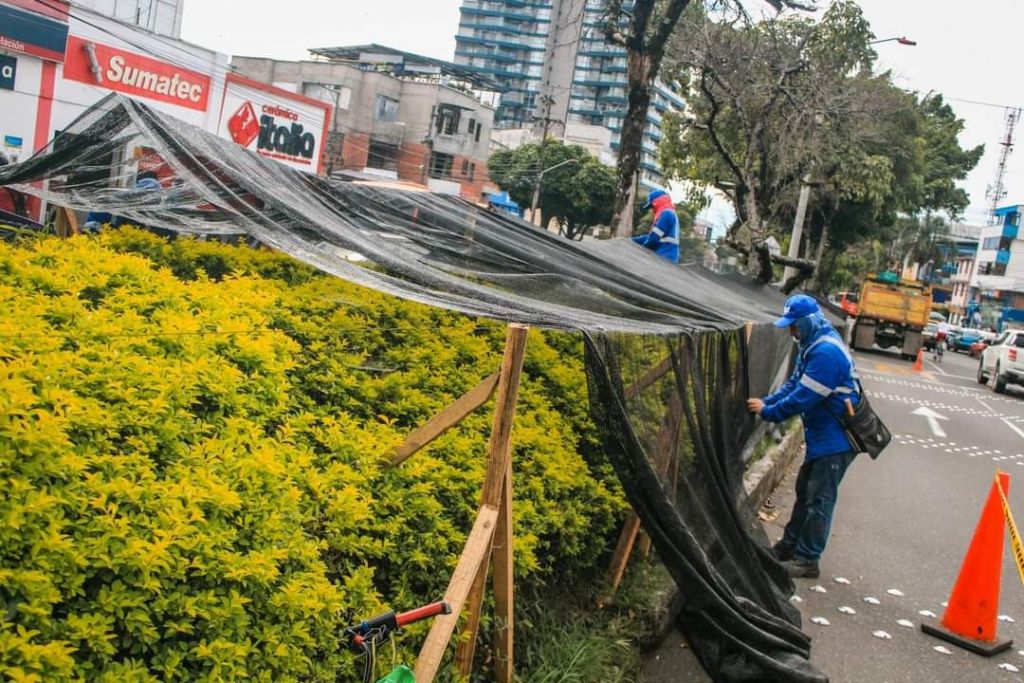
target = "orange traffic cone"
x: 919, y: 363
x: 970, y: 619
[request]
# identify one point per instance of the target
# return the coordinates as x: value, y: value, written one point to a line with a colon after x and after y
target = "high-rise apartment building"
x: 558, y: 73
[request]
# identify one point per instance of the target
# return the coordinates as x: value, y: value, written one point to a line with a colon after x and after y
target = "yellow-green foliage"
x: 189, y: 461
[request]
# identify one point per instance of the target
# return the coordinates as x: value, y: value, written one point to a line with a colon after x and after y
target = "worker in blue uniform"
x: 663, y: 239
x: 824, y: 379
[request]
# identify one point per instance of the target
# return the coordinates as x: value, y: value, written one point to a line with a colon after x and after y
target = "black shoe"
x: 782, y: 553
x: 802, y: 569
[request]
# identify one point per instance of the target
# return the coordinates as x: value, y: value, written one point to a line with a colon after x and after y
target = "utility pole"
x: 547, y: 100
x: 536, y: 186
x: 798, y: 226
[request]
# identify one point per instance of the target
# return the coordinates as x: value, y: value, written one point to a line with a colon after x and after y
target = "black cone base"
x: 981, y: 647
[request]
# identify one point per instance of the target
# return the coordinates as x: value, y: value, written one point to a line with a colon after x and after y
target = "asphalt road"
x: 903, y: 524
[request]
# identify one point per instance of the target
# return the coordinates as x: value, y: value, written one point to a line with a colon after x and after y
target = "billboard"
x: 133, y: 74
x: 274, y: 123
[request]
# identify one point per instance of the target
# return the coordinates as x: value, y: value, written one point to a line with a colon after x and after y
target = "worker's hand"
x: 755, y: 405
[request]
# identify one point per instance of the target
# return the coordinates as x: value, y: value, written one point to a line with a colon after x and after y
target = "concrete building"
x: 395, y: 114
x: 997, y: 284
x: 558, y: 75
x: 160, y: 17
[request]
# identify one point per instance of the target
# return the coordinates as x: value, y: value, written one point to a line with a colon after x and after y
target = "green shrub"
x: 191, y: 457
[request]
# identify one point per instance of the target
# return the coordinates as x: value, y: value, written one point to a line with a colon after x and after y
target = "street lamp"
x: 536, y: 187
x: 902, y: 40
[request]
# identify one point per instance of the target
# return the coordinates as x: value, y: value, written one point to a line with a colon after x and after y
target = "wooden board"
x: 445, y: 420
x: 476, y: 550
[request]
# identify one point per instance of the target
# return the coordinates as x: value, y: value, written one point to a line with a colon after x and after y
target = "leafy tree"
x: 781, y: 102
x: 577, y: 194
x: 644, y: 28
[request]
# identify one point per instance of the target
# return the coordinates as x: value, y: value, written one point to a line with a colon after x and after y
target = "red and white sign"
x: 134, y: 74
x: 274, y: 123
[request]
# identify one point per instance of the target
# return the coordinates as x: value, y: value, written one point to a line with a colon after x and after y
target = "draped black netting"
x: 671, y: 352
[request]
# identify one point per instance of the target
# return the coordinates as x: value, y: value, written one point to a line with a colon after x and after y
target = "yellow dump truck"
x: 892, y: 313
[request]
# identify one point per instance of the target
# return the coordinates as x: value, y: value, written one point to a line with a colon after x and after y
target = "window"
x: 440, y: 165
x: 472, y: 169
x: 991, y: 268
x: 471, y: 126
x: 447, y: 120
x: 465, y: 167
x: 1019, y: 341
x: 387, y: 109
x: 478, y: 128
x: 997, y: 242
x: 382, y: 155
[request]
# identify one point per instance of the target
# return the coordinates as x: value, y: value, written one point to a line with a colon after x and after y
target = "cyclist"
x: 941, y: 333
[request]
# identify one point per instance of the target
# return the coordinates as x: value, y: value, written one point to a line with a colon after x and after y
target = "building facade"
x: 558, y: 74
x: 997, y: 284
x: 58, y: 59
x: 395, y: 115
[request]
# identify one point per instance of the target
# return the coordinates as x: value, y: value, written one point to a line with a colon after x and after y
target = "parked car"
x: 1002, y: 362
x: 928, y: 336
x: 964, y: 338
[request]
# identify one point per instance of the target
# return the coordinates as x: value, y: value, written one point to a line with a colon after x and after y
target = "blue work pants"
x: 817, y: 489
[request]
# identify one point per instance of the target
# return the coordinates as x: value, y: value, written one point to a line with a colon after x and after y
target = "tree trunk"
x: 630, y: 141
x: 819, y: 253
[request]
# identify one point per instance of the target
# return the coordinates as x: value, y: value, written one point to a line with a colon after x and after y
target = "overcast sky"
x: 964, y: 51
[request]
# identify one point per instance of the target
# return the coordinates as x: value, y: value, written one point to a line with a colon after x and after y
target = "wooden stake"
x: 445, y: 420
x: 620, y: 558
x: 651, y: 376
x: 498, y: 463
x: 474, y: 554
x: 502, y: 557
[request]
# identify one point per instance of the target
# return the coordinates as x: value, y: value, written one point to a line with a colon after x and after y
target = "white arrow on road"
x: 933, y: 420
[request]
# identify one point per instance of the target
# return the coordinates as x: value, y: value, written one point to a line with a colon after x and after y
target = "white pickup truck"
x: 1002, y: 362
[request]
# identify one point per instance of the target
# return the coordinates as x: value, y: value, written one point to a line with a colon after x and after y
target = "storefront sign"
x: 274, y: 123
x: 8, y: 69
x: 32, y: 33
x: 133, y: 74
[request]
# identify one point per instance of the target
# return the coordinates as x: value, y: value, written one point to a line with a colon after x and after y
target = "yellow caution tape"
x: 1015, y: 543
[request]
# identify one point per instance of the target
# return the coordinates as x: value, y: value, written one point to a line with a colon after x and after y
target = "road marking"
x: 933, y: 421
x: 987, y: 406
x: 1014, y: 427
x: 940, y: 370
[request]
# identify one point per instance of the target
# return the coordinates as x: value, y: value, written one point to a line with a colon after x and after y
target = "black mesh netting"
x: 671, y: 352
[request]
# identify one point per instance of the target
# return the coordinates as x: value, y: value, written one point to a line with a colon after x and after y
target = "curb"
x: 764, y: 475
x: 759, y: 482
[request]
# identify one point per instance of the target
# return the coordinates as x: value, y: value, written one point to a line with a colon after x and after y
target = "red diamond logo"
x: 243, y: 125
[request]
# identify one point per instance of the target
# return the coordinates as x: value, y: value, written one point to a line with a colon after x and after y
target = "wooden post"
x: 445, y: 420
x: 499, y: 462
x: 502, y: 557
x: 475, y: 553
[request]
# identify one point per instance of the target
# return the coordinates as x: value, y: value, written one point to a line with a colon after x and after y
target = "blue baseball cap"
x: 654, y: 194
x: 797, y: 306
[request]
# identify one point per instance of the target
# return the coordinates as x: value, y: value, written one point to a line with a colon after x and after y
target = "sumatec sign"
x: 133, y: 74
x: 274, y: 123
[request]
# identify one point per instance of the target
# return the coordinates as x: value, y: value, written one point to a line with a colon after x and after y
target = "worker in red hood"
x: 663, y: 239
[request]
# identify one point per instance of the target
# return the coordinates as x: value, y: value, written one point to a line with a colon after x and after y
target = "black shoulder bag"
x: 864, y: 429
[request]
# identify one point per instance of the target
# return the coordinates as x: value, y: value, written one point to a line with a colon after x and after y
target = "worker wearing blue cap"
x: 663, y: 239
x: 824, y: 378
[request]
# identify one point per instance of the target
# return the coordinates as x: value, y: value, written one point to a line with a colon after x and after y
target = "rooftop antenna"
x: 997, y: 191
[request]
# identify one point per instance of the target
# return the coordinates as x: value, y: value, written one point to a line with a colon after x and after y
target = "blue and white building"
x: 997, y: 285
x: 559, y: 74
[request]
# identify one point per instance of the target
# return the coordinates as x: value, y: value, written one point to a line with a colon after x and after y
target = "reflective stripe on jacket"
x: 824, y: 377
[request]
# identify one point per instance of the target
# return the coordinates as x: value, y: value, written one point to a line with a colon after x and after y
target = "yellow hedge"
x: 190, y: 437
